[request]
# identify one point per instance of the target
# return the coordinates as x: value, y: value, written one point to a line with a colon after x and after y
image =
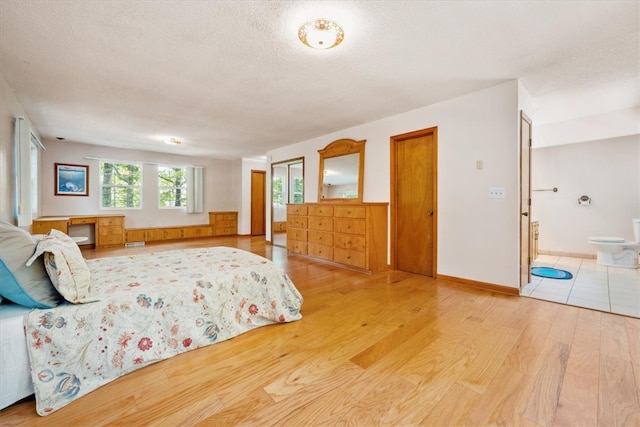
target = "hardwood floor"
x: 392, y: 348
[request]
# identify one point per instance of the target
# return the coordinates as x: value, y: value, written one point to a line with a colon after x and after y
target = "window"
x: 120, y: 185
x: 172, y: 186
x: 278, y: 191
x: 298, y: 190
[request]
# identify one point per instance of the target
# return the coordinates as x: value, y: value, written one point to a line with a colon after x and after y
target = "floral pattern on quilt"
x: 151, y: 307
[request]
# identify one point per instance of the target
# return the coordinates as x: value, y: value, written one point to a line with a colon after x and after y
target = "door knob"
x: 430, y: 213
x: 525, y: 213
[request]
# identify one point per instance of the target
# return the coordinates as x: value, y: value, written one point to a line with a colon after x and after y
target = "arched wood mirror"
x: 341, y: 172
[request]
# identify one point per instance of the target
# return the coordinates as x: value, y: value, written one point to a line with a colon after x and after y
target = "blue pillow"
x: 11, y: 290
x: 25, y: 285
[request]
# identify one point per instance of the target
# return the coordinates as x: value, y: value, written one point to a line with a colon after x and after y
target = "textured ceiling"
x: 231, y: 79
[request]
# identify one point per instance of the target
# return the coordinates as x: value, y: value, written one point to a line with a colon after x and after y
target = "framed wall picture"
x: 71, y: 180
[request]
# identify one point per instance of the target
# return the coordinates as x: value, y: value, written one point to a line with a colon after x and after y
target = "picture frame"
x: 71, y: 180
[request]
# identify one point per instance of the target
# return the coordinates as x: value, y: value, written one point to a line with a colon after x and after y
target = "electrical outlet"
x: 496, y: 193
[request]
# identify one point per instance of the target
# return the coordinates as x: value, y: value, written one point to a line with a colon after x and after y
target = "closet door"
x: 414, y: 211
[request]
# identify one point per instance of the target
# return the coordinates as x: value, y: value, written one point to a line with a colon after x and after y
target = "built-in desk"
x: 109, y: 229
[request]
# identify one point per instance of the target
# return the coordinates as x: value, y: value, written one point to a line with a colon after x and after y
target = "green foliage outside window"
x: 120, y: 185
x: 172, y: 185
x: 297, y: 190
x: 278, y: 191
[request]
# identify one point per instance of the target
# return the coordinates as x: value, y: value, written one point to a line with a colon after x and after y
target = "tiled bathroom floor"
x: 611, y: 289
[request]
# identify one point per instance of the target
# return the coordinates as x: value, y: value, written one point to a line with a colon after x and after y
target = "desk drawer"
x: 111, y: 240
x: 111, y: 221
x: 78, y: 221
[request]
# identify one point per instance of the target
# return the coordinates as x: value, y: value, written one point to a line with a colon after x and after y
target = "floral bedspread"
x: 151, y: 307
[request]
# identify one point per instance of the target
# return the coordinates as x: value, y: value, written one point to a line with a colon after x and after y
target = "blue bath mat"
x: 551, y: 273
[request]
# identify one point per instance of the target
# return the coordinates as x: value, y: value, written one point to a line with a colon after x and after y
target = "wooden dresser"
x: 224, y: 223
x: 109, y: 229
x: 353, y: 235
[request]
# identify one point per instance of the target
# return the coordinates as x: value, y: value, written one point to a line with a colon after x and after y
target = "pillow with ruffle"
x: 67, y: 268
x: 29, y: 286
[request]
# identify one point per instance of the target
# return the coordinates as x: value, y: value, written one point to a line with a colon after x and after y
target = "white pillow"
x: 66, y: 266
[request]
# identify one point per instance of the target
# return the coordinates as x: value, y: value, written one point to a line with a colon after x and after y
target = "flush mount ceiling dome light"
x: 321, y: 34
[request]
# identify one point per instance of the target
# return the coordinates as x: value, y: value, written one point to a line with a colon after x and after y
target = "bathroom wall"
x: 606, y: 170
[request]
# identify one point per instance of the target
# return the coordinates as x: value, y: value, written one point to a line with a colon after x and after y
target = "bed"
x: 140, y: 309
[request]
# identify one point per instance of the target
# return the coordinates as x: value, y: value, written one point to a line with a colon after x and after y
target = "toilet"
x: 617, y: 252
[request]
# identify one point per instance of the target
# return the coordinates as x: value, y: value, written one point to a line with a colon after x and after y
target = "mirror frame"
x: 342, y: 147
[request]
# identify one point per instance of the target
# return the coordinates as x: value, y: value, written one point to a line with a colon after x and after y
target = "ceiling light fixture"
x: 172, y: 141
x: 321, y: 34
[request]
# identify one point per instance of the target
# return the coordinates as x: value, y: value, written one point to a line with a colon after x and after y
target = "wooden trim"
x: 508, y: 290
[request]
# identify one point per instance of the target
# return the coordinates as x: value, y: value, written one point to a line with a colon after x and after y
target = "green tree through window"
x: 121, y: 185
x: 172, y: 186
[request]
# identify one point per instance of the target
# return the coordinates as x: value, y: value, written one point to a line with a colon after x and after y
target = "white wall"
x: 220, y: 193
x: 244, y: 216
x: 10, y: 108
x: 477, y: 236
x: 608, y: 171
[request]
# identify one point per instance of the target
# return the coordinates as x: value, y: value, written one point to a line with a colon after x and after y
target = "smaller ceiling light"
x: 172, y: 141
x: 321, y: 34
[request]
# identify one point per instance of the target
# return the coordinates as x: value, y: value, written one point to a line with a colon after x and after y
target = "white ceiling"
x: 231, y: 79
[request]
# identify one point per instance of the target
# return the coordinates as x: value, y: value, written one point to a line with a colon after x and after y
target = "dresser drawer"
x: 297, y: 247
x: 320, y: 223
x: 297, y: 234
x: 111, y: 221
x: 297, y: 222
x: 320, y: 210
x: 350, y: 241
x: 353, y: 226
x: 352, y: 258
x: 350, y: 212
x: 296, y: 210
x: 320, y: 251
x: 321, y: 237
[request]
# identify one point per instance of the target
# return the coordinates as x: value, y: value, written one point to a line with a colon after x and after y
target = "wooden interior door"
x: 525, y: 200
x: 413, y: 202
x: 258, y: 202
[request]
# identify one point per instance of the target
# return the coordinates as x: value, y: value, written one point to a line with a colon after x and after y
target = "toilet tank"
x: 636, y: 229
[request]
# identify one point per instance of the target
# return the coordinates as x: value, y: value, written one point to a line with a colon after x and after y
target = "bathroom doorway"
x: 287, y: 187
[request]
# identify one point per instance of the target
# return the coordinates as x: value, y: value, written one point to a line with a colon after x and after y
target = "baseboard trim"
x: 481, y: 285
